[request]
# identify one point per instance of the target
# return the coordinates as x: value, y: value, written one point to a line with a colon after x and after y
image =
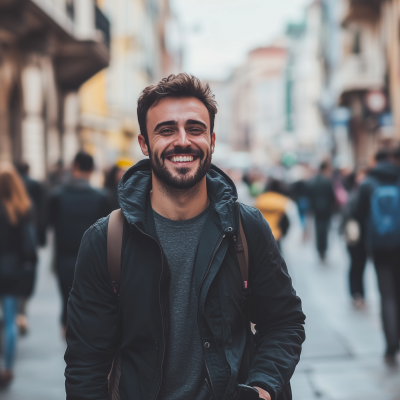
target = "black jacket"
x: 72, y: 209
x: 321, y: 195
x: 18, y: 247
x: 36, y: 193
x: 97, y: 326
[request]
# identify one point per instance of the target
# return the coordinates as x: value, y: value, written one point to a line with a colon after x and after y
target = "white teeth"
x: 182, y: 159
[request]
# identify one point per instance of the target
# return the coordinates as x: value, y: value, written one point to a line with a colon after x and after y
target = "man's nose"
x: 182, y: 139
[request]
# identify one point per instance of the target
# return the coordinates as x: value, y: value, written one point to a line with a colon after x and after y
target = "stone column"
x: 71, y: 143
x: 6, y: 82
x: 53, y: 148
x: 33, y: 127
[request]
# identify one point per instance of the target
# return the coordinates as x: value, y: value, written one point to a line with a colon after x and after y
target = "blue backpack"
x: 385, y: 217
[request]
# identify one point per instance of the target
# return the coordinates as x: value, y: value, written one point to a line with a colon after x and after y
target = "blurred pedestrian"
x: 36, y: 193
x: 379, y: 207
x: 382, y: 156
x: 112, y: 178
x: 299, y: 193
x: 322, y: 199
x: 341, y: 194
x: 255, y: 180
x: 17, y: 252
x: 354, y: 231
x: 58, y: 175
x: 73, y: 208
x: 241, y: 187
x: 37, y: 196
x: 273, y: 205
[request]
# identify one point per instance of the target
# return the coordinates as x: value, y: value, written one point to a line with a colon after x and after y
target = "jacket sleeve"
x: 92, y: 330
x: 276, y: 311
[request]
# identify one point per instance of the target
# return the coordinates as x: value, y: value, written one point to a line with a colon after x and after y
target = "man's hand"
x: 262, y: 393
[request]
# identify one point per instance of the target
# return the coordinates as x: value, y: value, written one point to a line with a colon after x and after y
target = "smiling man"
x: 180, y: 323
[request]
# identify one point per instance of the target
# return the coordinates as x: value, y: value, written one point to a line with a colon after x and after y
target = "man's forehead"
x: 179, y: 109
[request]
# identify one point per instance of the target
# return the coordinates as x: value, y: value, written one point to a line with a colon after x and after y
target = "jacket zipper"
x: 161, y: 307
x: 201, y: 285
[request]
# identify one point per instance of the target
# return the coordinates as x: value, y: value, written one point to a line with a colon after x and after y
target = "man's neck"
x: 178, y: 204
x: 81, y: 175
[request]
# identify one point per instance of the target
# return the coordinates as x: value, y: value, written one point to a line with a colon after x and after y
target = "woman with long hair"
x: 14, y: 212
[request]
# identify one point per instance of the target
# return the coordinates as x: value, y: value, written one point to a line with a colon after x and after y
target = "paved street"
x: 40, y: 364
x: 342, y: 358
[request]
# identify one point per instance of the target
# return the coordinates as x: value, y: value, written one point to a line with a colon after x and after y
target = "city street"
x: 39, y: 368
x: 342, y: 357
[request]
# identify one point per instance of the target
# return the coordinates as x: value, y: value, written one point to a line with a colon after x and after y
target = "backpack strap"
x: 242, y: 250
x: 114, y: 245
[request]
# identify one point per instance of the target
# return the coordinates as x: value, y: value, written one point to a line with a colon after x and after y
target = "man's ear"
x: 143, y: 145
x: 212, y: 142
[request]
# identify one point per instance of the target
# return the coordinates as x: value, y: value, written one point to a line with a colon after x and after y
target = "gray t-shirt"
x: 184, y: 370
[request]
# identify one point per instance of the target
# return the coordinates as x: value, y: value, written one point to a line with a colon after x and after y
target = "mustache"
x: 179, y: 150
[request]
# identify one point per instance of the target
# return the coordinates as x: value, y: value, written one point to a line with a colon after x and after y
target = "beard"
x: 182, y: 179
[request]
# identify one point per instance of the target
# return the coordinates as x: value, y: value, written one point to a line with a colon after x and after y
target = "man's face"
x: 180, y: 143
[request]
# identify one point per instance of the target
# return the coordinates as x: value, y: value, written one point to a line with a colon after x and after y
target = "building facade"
x: 305, y: 85
x: 258, y: 103
x: 145, y: 46
x: 48, y: 48
x: 368, y: 78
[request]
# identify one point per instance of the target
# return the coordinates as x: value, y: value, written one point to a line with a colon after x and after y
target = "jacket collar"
x: 134, y: 196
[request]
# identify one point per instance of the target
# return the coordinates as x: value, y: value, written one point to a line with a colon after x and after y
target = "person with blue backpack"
x: 379, y: 207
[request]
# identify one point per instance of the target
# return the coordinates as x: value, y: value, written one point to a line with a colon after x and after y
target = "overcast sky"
x: 219, y: 33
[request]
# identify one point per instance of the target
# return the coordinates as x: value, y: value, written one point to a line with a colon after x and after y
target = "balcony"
x: 361, y: 72
x: 42, y: 26
x: 78, y: 60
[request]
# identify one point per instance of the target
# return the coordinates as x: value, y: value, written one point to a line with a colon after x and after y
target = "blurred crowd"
x: 69, y: 205
x: 365, y: 201
x: 366, y: 204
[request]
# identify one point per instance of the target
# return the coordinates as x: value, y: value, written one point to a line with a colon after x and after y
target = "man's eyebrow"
x: 196, y: 122
x: 165, y: 123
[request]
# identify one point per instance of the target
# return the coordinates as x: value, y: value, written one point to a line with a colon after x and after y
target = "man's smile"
x: 182, y: 159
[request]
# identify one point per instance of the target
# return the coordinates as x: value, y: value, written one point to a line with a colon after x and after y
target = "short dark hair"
x: 382, y: 155
x: 277, y: 186
x: 84, y: 161
x: 22, y: 167
x: 324, y: 166
x: 181, y: 85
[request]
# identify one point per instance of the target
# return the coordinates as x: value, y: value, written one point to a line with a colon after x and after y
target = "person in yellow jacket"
x: 273, y: 204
